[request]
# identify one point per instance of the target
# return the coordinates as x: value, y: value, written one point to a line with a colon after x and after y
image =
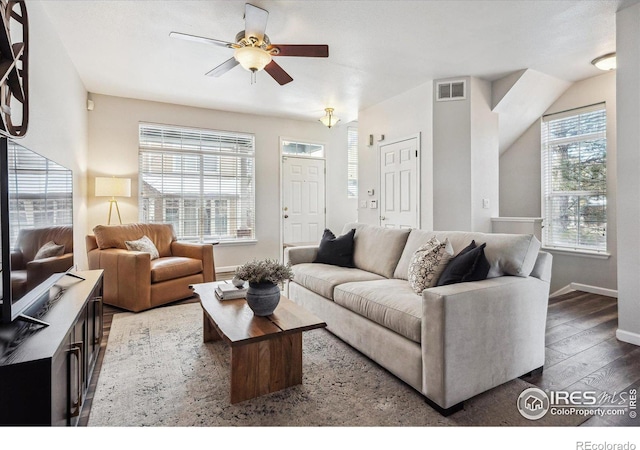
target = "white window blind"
x: 352, y: 162
x: 201, y: 181
x: 40, y: 191
x: 574, y: 165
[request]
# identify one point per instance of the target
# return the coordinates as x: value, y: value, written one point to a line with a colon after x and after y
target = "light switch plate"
x: 373, y: 204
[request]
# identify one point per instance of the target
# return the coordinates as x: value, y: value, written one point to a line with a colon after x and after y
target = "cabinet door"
x: 94, y: 327
x: 77, y: 368
x: 61, y: 389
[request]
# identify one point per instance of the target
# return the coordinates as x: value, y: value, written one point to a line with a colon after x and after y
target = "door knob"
x: 286, y: 216
x: 383, y: 218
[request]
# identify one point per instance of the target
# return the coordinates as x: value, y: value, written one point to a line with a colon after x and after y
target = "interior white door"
x: 399, y: 184
x: 303, y: 199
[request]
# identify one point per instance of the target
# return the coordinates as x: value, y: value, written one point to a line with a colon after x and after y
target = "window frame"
x: 208, y: 165
x: 352, y: 147
x: 546, y: 180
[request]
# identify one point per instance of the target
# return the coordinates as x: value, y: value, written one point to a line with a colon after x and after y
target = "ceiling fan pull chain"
x: 253, y: 77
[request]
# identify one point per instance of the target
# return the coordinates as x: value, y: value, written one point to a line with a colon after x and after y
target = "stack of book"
x: 230, y: 292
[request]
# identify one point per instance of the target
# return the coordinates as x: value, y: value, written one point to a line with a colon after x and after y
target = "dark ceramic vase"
x: 263, y: 298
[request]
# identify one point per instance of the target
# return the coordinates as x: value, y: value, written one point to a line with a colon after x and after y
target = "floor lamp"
x: 113, y: 187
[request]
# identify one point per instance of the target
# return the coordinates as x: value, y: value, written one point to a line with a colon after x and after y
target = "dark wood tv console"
x: 43, y: 381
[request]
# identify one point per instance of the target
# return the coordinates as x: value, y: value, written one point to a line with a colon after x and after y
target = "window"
x: 352, y: 162
x: 201, y: 181
x: 302, y: 149
x: 574, y: 166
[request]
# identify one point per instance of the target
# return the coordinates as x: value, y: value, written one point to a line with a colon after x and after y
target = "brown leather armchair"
x: 27, y: 272
x: 135, y: 282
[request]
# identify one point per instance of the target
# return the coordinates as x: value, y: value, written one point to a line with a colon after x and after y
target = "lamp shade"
x: 252, y: 59
x: 113, y: 187
x: 605, y: 62
x: 329, y: 119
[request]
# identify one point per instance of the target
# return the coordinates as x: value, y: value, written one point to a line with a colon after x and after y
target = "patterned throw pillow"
x: 144, y: 244
x: 427, y: 263
x: 49, y: 249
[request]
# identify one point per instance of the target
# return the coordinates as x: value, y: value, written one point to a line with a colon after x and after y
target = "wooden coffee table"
x: 266, y: 352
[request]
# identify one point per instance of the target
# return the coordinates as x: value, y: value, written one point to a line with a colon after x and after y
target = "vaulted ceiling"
x: 377, y: 49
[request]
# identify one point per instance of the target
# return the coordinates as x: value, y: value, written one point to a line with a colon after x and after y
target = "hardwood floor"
x: 582, y: 352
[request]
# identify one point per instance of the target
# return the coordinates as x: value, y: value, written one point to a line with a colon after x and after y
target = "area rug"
x: 158, y: 372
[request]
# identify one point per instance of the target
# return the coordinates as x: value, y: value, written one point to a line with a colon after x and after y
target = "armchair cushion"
x: 143, y: 244
x: 48, y: 250
x: 172, y: 267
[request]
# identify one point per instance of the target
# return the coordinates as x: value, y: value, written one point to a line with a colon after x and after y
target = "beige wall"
x: 465, y: 158
x: 399, y: 117
x: 628, y: 74
x: 113, y: 151
x: 520, y: 184
x: 58, y: 115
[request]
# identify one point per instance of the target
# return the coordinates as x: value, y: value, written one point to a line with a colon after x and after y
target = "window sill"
x: 234, y: 243
x: 581, y: 253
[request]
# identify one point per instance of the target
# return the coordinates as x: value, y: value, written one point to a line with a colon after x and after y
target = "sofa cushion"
x: 390, y: 303
x: 378, y: 249
x: 323, y: 278
x: 508, y: 254
x: 427, y: 264
x: 172, y: 267
x: 48, y: 250
x: 469, y: 265
x: 143, y: 244
x: 113, y: 236
x: 337, y: 251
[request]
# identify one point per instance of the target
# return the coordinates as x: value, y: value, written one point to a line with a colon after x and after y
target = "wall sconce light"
x: 605, y: 62
x: 113, y: 187
x: 329, y: 119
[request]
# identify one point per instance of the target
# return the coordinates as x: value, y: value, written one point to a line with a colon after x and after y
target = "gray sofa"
x: 450, y: 343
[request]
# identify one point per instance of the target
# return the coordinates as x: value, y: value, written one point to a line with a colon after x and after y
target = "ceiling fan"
x: 254, y: 51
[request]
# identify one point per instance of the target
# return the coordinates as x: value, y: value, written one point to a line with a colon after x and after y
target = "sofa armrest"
x: 127, y: 277
x: 300, y: 255
x: 40, y: 269
x: 203, y: 252
x: 17, y: 261
x: 478, y: 335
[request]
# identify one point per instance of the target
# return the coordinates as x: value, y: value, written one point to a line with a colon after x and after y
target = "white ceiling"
x: 377, y: 49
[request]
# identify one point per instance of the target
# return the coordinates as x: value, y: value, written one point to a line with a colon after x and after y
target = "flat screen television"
x: 36, y: 243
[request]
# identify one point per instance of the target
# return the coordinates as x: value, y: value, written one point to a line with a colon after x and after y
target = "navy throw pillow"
x: 337, y: 251
x: 469, y: 265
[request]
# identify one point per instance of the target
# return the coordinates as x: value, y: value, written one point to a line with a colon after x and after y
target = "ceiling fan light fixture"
x: 605, y: 62
x: 329, y: 119
x: 253, y: 59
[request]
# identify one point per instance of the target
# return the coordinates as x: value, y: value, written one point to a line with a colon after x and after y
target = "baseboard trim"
x: 226, y: 269
x: 562, y: 291
x: 628, y: 336
x: 585, y: 288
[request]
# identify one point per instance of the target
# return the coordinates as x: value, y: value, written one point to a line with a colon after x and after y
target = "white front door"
x: 399, y: 184
x: 303, y: 199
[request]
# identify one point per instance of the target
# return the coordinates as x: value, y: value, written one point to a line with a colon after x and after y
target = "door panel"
x: 399, y: 200
x: 303, y: 199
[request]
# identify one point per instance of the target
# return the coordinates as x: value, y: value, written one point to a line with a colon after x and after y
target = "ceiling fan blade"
x: 203, y: 40
x: 278, y: 73
x: 312, y: 51
x: 255, y: 21
x: 223, y: 68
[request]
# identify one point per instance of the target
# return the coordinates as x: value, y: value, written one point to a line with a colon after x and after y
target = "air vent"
x: 451, y: 90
